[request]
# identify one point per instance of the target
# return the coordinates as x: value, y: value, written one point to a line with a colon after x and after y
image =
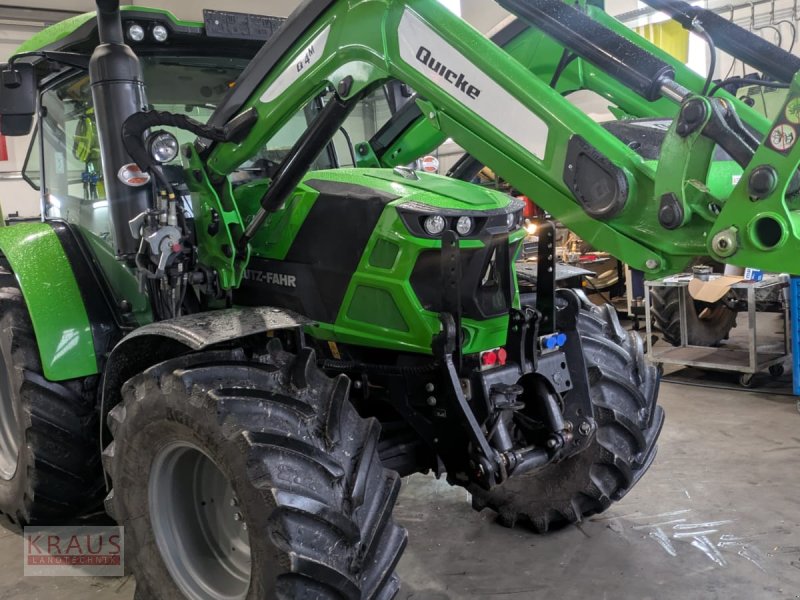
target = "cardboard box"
x: 713, y: 289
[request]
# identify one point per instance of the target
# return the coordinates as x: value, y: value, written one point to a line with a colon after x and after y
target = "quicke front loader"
x: 273, y: 341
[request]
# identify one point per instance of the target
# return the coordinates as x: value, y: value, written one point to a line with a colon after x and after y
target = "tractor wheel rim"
x: 198, y: 524
x: 9, y: 428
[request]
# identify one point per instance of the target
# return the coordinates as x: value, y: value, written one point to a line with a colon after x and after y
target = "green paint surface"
x: 54, y: 301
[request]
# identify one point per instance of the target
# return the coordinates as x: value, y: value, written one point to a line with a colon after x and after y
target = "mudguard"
x: 159, y: 341
x: 52, y: 294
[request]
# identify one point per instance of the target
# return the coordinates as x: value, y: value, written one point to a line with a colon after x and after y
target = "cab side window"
x: 73, y: 175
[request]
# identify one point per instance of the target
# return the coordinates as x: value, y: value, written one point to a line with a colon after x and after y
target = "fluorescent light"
x: 100, y: 204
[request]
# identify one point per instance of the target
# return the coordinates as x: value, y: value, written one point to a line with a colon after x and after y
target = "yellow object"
x: 86, y: 146
x: 335, y: 350
x: 670, y: 36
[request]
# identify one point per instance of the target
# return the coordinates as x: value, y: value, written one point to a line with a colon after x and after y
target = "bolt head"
x: 693, y: 111
x: 585, y: 428
x: 431, y: 401
x: 238, y: 517
x: 551, y: 443
x: 763, y: 181
x: 651, y: 264
x: 724, y: 243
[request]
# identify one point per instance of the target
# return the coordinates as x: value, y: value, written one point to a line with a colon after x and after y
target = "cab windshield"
x: 64, y: 160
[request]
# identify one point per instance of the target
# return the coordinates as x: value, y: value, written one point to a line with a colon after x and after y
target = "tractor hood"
x: 436, y: 191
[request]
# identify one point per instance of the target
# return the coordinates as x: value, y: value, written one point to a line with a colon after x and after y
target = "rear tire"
x: 50, y: 470
x: 251, y: 479
x: 623, y: 389
x: 707, y: 324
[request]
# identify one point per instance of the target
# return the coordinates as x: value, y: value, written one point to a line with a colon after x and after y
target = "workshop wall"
x: 15, y: 194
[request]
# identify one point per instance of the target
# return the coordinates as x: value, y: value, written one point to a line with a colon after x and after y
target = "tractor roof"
x: 79, y: 34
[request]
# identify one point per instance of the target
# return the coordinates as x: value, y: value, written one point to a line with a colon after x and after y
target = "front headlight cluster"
x: 428, y: 221
x: 435, y: 225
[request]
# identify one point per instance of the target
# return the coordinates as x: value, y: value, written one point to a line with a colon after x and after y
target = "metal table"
x: 745, y: 361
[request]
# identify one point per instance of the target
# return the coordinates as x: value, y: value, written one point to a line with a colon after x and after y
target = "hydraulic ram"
x: 736, y: 41
x: 636, y: 68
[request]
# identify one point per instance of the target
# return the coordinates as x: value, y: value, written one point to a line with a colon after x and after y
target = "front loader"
x: 641, y: 125
x: 273, y: 340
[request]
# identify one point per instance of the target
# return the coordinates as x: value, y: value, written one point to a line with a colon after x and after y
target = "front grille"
x: 486, y: 286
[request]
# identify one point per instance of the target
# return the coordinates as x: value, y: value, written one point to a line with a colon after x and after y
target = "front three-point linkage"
x: 542, y: 343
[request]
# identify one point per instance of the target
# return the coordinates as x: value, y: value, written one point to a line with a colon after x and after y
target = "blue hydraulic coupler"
x: 552, y: 342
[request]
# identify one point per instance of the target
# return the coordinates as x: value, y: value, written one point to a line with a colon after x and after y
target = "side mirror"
x: 17, y: 99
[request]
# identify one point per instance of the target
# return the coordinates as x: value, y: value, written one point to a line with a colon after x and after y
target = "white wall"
x: 482, y: 14
x: 15, y: 194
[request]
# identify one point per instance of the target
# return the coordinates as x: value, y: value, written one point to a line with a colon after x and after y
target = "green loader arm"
x: 544, y: 57
x: 508, y: 118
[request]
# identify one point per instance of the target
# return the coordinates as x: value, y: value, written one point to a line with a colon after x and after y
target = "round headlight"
x: 160, y: 33
x: 434, y: 225
x: 136, y: 32
x: 464, y: 226
x: 511, y: 220
x: 163, y: 147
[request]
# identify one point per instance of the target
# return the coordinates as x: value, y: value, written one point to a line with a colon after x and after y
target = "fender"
x: 67, y: 301
x: 162, y: 340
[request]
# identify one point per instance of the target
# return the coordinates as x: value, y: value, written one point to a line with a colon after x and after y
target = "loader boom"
x: 497, y: 110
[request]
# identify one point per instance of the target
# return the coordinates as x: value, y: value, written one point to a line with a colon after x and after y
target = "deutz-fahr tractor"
x: 263, y: 341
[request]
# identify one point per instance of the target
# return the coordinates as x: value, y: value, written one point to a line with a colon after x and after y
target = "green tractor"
x: 257, y: 341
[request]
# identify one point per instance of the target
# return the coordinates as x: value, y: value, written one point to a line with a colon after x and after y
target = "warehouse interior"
x: 241, y: 355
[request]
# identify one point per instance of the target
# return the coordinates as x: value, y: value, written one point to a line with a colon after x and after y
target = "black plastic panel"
x: 224, y: 24
x: 313, y: 277
x: 600, y: 186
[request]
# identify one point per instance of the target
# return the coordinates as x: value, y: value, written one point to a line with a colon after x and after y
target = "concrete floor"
x: 716, y: 517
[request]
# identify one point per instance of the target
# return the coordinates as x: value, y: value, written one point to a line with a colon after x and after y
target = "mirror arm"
x: 71, y: 59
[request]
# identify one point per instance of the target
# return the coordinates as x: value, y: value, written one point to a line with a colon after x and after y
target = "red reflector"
x: 502, y: 355
x: 488, y: 358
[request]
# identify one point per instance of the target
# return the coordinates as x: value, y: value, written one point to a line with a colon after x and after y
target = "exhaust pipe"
x: 117, y: 93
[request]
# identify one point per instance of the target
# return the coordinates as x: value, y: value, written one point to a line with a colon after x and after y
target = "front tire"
x: 252, y: 480
x: 50, y: 468
x: 623, y: 389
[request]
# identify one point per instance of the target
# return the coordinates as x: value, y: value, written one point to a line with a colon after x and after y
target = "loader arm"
x: 567, y: 73
x: 474, y: 92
